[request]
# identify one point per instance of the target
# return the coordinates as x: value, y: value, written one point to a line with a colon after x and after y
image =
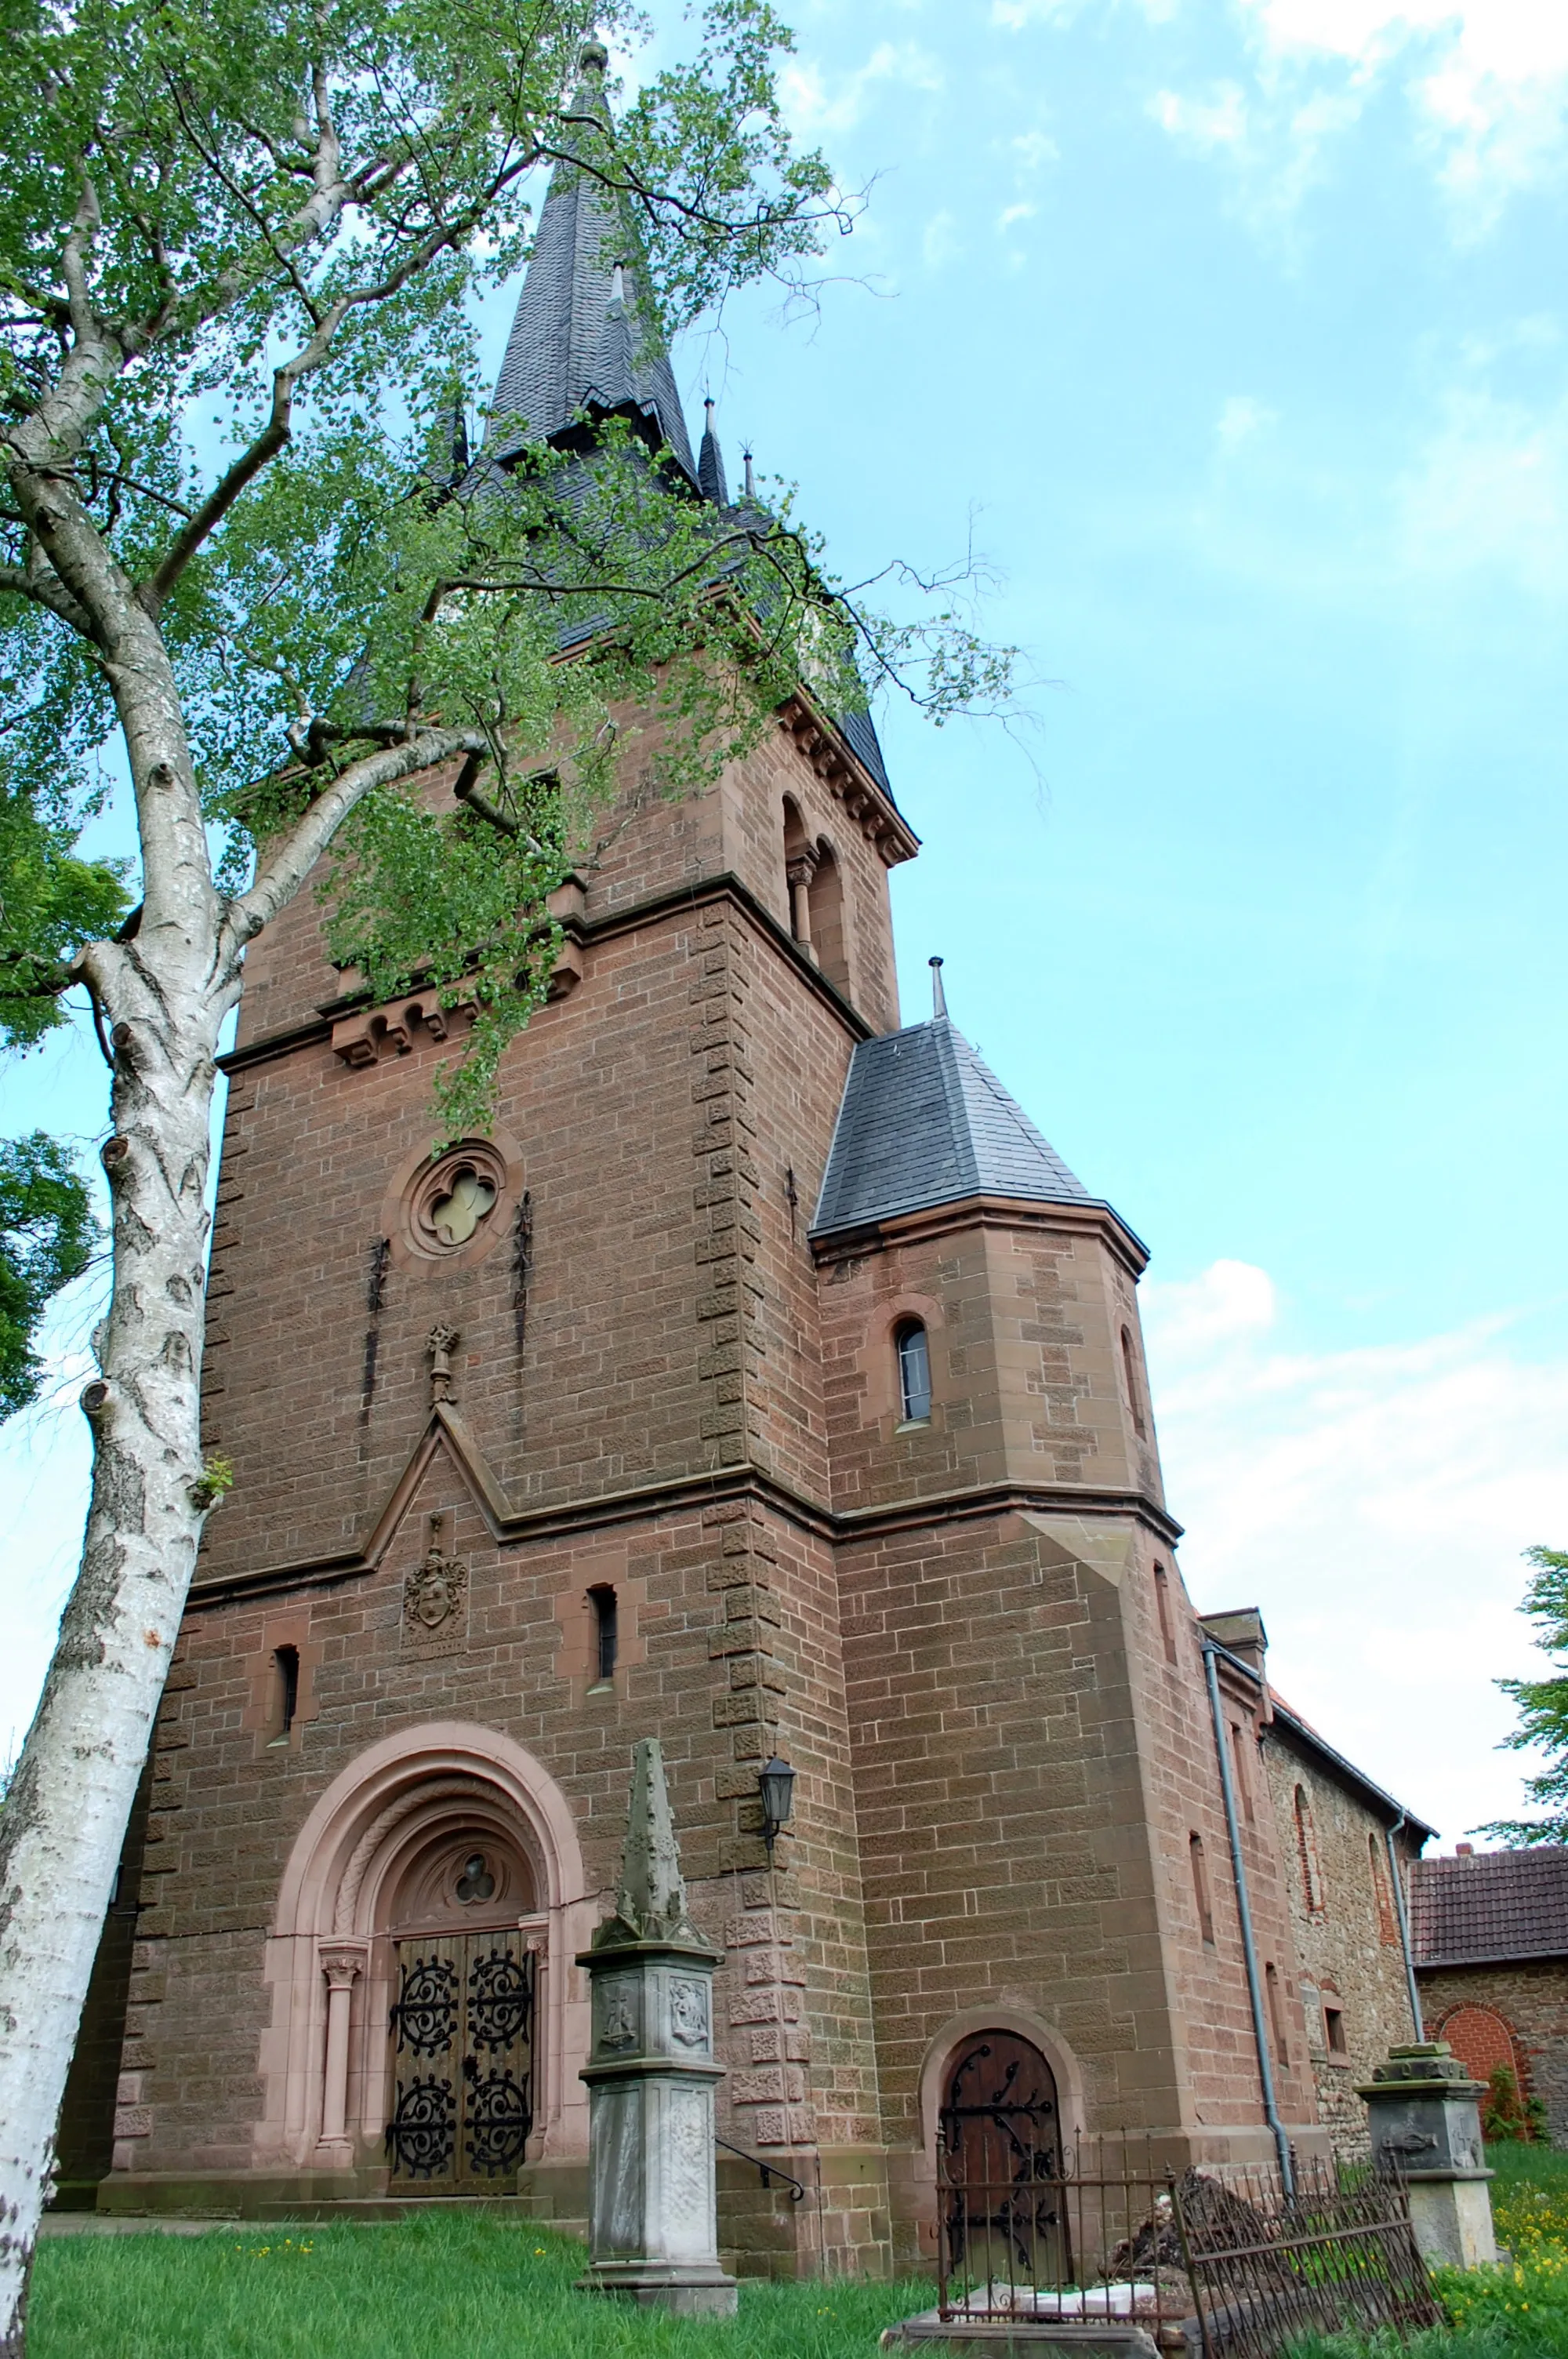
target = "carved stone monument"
x: 652, y: 2225
x: 1426, y: 2125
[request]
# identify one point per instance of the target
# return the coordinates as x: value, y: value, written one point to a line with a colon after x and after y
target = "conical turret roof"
x: 924, y: 1121
x: 586, y: 334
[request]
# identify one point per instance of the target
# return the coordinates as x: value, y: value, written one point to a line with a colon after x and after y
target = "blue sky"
x: 1237, y: 336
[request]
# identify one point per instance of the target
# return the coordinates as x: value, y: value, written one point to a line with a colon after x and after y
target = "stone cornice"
x: 847, y: 778
x: 580, y: 931
x: 644, y: 1502
x: 932, y: 1220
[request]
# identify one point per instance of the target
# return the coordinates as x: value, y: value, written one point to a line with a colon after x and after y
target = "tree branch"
x: 297, y: 854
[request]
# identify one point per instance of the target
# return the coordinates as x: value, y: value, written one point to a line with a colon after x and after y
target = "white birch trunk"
x: 64, y: 1818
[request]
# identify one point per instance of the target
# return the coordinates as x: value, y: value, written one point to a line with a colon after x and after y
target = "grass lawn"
x: 442, y: 2287
x: 1519, y: 2312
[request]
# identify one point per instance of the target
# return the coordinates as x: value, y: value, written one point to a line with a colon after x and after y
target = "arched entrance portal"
x: 436, y: 1888
x: 1000, y: 2182
x: 466, y: 1938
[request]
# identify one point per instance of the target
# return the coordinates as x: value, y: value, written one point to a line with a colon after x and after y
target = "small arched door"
x: 463, y: 2017
x: 1002, y: 2163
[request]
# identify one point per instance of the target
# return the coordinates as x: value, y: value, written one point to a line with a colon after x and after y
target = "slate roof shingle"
x: 924, y: 1120
x: 1490, y: 1905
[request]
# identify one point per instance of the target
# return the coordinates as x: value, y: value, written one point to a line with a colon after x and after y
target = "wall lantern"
x: 776, y: 1784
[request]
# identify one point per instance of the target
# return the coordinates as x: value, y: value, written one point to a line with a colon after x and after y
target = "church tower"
x: 764, y: 1381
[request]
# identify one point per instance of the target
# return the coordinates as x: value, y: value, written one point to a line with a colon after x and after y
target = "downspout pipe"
x: 1402, y: 1919
x: 1244, y: 1911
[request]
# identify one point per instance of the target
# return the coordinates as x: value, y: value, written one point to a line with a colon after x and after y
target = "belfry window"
x: 606, y: 1634
x: 913, y: 1374
x: 285, y: 1692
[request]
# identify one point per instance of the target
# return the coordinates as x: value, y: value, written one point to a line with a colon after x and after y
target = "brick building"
x: 765, y: 1383
x: 1491, y: 1930
x: 1348, y: 1850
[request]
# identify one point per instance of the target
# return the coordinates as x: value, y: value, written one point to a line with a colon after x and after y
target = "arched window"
x: 1388, y: 1930
x: 825, y: 895
x: 285, y: 1692
x: 1277, y: 2016
x: 1200, y: 1890
x: 606, y: 1636
x: 800, y: 866
x: 1162, y: 1608
x: 1306, y: 1852
x: 1134, y: 1392
x: 914, y: 1373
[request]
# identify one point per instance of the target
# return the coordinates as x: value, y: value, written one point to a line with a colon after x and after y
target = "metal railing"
x: 1222, y: 2258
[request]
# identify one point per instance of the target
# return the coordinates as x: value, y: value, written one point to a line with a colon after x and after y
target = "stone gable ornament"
x: 443, y: 1341
x: 435, y: 1590
x: 653, y: 2224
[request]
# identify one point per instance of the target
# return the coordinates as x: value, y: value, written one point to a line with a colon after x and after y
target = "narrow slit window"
x: 1388, y: 1930
x: 285, y: 1692
x: 1162, y: 1607
x: 913, y: 1374
x: 1307, y: 1849
x: 605, y: 1633
x: 1200, y: 1890
x: 1129, y: 1372
x: 1277, y: 2016
x: 1243, y: 1770
x: 1333, y: 2032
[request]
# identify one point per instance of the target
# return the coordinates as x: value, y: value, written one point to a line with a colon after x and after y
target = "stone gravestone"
x: 1426, y: 2125
x: 652, y: 2225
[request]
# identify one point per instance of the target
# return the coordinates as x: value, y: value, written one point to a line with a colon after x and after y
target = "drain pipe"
x: 1244, y: 1910
x: 1403, y: 1921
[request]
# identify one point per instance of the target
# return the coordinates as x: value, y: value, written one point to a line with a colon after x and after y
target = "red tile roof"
x: 1490, y: 1905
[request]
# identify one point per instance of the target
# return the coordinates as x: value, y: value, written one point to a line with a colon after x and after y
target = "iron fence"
x: 1220, y: 2259
x: 1027, y: 2231
x: 1337, y: 2253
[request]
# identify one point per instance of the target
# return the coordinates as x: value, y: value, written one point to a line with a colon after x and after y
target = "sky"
x: 1232, y: 335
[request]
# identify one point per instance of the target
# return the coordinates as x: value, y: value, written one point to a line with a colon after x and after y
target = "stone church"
x: 764, y: 1381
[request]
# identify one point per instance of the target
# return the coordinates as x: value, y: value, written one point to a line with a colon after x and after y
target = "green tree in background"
x: 1543, y: 1706
x: 46, y: 1236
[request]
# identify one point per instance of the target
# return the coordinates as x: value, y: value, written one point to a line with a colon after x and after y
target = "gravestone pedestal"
x: 652, y: 2223
x: 1426, y: 2125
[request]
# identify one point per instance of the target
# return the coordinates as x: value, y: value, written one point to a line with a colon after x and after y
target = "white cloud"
x: 940, y: 243
x: 1487, y: 82
x: 1011, y: 215
x: 1241, y: 418
x: 813, y: 107
x: 1375, y: 1504
x: 1488, y: 491
x: 1218, y: 120
x: 1034, y: 149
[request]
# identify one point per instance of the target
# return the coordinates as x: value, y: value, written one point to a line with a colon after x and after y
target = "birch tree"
x: 242, y: 540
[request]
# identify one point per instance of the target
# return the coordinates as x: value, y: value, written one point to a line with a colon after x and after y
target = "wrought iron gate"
x: 462, y: 2062
x: 1001, y: 2164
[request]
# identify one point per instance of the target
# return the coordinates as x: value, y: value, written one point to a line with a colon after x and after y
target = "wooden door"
x: 1004, y: 2214
x: 462, y: 2060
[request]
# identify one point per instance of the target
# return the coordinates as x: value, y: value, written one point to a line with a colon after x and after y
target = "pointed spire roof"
x: 586, y: 335
x: 711, y: 463
x: 924, y: 1121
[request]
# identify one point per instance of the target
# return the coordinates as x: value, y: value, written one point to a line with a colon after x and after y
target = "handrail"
x: 769, y: 2170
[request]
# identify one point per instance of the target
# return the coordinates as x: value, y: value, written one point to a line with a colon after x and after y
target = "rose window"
x: 453, y: 1202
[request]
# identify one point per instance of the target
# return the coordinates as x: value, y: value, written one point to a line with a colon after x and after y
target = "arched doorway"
x: 1002, y: 2161
x: 446, y: 1847
x: 466, y: 1936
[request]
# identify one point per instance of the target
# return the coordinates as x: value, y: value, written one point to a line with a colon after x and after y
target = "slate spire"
x: 711, y: 461
x: 586, y: 335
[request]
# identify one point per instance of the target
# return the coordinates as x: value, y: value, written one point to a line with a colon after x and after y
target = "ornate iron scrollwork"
x: 422, y: 2133
x: 1001, y: 2135
x: 501, y: 2000
x: 425, y: 2013
x: 499, y: 2118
